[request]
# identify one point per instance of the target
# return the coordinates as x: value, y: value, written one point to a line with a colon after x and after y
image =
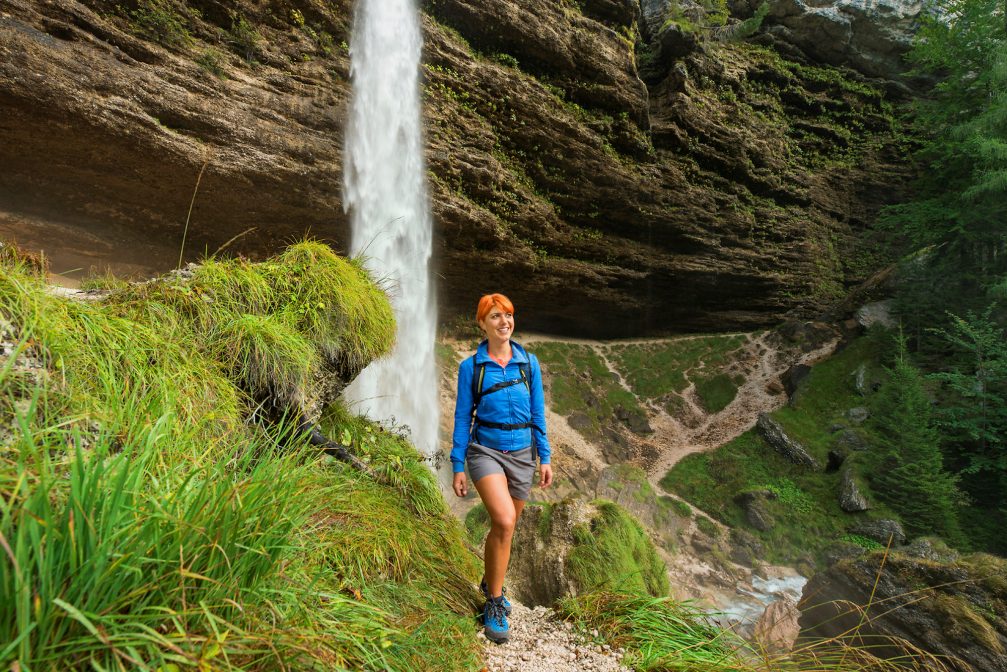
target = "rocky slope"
x: 662, y: 177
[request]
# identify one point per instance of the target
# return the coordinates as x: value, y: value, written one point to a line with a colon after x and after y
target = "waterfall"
x: 384, y: 191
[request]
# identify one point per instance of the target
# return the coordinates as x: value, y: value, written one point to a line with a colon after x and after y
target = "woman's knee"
x: 504, y: 522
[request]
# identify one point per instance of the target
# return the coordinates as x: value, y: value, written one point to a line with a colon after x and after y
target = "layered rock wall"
x: 732, y: 187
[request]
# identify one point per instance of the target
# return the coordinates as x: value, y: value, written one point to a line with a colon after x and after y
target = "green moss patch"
x: 581, y: 382
x: 614, y: 550
x: 655, y: 370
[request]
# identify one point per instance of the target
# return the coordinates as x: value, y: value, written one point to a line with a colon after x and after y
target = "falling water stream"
x: 384, y: 191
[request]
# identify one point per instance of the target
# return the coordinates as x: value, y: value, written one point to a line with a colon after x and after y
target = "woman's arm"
x: 538, y: 411
x: 463, y: 416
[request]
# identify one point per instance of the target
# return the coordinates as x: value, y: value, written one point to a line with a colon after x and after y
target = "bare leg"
x: 503, y: 511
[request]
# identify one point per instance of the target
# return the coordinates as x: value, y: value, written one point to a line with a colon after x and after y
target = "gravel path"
x: 540, y: 642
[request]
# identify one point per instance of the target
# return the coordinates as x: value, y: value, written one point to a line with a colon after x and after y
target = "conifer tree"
x: 909, y: 473
x: 960, y: 203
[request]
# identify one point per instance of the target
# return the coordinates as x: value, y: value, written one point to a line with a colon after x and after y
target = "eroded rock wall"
x: 725, y: 187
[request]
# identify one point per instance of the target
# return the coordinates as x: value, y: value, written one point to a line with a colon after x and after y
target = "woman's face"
x: 498, y: 324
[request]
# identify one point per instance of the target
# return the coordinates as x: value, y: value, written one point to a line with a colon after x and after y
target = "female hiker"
x: 499, y: 429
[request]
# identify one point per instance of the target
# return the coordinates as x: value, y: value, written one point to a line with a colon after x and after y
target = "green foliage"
x: 158, y: 20
x: 790, y: 495
x: 212, y: 61
x: 707, y: 527
x: 580, y: 381
x: 150, y: 527
x: 749, y: 26
x: 477, y: 524
x: 269, y: 356
x: 653, y: 371
x: 972, y: 418
x: 102, y: 282
x: 505, y: 59
x: 960, y: 200
x: 716, y: 11
x: 909, y: 474
x: 863, y: 542
x: 806, y: 511
x: 681, y: 508
x: 614, y: 551
x: 717, y: 391
x: 974, y: 407
x: 244, y: 37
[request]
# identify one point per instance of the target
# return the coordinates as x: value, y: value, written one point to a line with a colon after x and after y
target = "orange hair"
x: 487, y: 302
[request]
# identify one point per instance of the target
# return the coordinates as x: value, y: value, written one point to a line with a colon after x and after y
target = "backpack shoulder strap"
x: 478, y: 373
x: 525, y: 375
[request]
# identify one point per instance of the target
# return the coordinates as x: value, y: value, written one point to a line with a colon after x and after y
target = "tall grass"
x: 145, y: 524
x: 662, y: 635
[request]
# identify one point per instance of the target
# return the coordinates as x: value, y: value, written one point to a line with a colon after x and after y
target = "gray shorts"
x: 517, y: 465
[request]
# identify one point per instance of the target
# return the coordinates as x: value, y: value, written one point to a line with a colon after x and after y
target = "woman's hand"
x: 546, y: 480
x: 460, y: 486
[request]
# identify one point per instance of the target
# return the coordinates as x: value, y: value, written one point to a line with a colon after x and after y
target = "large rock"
x: 957, y: 610
x: 871, y: 36
x: 791, y: 449
x: 542, y: 541
x: 851, y: 499
x: 777, y: 628
x: 629, y: 487
x: 881, y: 531
x: 753, y: 504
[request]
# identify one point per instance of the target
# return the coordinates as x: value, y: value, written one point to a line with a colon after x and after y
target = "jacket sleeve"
x: 538, y: 412
x: 463, y: 416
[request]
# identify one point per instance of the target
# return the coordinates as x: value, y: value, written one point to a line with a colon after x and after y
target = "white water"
x: 384, y: 191
x: 749, y: 604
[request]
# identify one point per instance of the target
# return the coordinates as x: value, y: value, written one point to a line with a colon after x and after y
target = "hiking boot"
x: 497, y: 629
x: 486, y: 593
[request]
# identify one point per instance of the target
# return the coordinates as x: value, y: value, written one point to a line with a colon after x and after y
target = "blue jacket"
x: 511, y: 405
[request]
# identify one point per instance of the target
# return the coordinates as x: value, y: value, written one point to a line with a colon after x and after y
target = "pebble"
x: 540, y: 642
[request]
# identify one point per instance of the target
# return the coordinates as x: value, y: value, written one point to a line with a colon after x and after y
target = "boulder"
x: 753, y: 503
x: 775, y: 436
x: 777, y: 628
x: 746, y: 549
x: 878, y: 312
x: 850, y: 439
x: 851, y: 499
x: 870, y: 36
x: 955, y: 610
x: 881, y: 531
x: 542, y: 541
x: 628, y: 487
x: 794, y: 377
x: 636, y: 421
x: 858, y: 414
x: 933, y: 549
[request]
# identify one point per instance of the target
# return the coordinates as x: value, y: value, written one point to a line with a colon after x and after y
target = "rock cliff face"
x: 724, y: 187
x: 955, y: 609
